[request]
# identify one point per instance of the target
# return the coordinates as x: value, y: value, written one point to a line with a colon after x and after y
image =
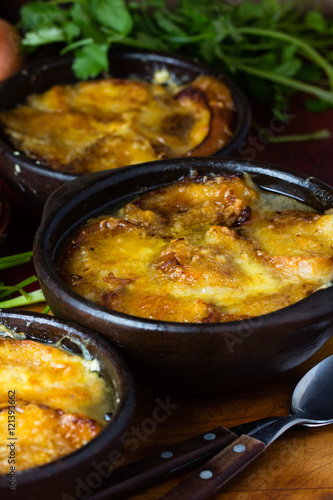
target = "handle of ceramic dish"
x: 159, y: 467
x: 210, y: 477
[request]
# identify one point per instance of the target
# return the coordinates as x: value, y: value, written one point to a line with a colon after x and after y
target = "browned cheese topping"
x: 51, y: 402
x: 110, y: 123
x: 202, y: 250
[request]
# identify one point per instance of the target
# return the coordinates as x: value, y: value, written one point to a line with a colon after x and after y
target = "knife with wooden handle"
x: 173, y: 460
x: 206, y: 480
x: 219, y: 470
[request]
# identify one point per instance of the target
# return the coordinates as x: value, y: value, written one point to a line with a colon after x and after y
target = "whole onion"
x: 11, y: 59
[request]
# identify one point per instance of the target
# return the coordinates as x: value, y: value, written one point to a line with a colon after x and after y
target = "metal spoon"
x: 311, y: 405
x: 187, y: 455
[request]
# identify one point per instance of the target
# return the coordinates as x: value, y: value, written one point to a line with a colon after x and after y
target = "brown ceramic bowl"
x: 199, y: 358
x: 56, y: 479
x: 35, y: 182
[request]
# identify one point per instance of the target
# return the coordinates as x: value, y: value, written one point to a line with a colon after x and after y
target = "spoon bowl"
x: 311, y: 404
x: 313, y: 396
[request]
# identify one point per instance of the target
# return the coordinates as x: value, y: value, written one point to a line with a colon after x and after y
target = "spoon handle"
x: 217, y: 471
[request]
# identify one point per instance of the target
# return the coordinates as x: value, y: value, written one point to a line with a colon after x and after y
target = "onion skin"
x: 11, y: 59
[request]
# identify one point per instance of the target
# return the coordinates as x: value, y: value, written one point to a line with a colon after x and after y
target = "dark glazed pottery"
x: 200, y: 358
x: 61, y: 478
x: 34, y: 182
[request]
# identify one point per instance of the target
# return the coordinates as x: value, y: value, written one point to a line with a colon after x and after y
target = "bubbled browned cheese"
x: 43, y: 434
x: 109, y: 123
x: 57, y: 404
x: 202, y: 250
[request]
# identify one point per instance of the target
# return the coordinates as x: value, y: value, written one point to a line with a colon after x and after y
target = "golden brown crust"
x: 53, y: 138
x: 43, y: 373
x: 201, y: 250
x: 42, y: 434
x: 297, y: 243
x: 56, y: 402
x: 69, y: 128
x: 199, y: 202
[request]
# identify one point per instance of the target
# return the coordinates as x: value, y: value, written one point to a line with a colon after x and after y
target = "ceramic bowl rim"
x: 124, y: 408
x: 32, y: 70
x: 44, y: 261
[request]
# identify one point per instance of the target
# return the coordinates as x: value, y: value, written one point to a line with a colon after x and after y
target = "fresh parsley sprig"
x: 24, y: 297
x: 273, y: 48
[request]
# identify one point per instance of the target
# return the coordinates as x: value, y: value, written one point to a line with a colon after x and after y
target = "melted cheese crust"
x: 202, y: 251
x: 60, y: 402
x: 43, y: 434
x: 110, y: 123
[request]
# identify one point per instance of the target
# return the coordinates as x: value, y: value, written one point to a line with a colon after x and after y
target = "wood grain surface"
x: 299, y: 465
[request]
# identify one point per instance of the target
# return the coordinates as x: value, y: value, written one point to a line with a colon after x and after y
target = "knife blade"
x: 173, y: 460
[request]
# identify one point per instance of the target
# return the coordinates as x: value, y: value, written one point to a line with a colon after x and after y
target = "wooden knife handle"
x: 217, y: 471
x: 173, y: 459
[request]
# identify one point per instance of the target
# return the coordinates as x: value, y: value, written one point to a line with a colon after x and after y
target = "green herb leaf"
x: 248, y: 11
x: 167, y: 25
x: 192, y: 13
x: 79, y: 15
x: 71, y: 31
x: 273, y: 48
x: 89, y: 28
x: 112, y: 14
x: 289, y: 68
x: 37, y: 15
x: 43, y: 36
x: 91, y: 60
x: 316, y: 21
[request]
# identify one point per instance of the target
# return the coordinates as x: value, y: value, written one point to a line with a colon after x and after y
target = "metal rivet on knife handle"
x: 166, y: 464
x: 217, y: 471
